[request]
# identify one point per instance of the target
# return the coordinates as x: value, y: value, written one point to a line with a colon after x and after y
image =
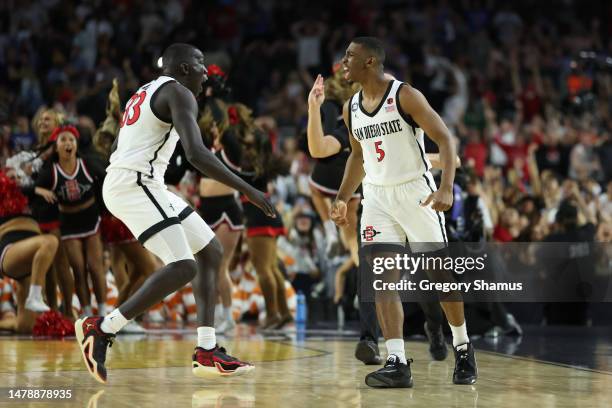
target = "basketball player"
x: 155, y: 118
x: 387, y: 120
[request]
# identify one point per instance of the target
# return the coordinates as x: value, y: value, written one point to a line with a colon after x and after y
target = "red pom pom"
x: 114, y: 231
x: 12, y: 200
x: 214, y: 69
x: 53, y: 324
x: 232, y: 112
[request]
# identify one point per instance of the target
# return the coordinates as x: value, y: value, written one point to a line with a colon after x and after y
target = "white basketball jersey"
x: 146, y: 142
x: 391, y: 141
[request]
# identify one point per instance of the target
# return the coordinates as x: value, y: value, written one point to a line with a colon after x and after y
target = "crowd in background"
x: 525, y: 88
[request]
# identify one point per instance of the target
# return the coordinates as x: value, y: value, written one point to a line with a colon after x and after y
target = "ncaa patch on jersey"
x: 391, y: 106
x: 354, y: 107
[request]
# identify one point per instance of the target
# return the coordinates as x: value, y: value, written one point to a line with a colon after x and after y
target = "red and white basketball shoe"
x: 217, y: 363
x: 93, y: 343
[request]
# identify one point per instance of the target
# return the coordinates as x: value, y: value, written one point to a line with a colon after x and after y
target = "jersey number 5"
x: 132, y: 109
x: 379, y: 151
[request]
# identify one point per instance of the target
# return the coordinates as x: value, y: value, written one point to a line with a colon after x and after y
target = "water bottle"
x: 301, y: 313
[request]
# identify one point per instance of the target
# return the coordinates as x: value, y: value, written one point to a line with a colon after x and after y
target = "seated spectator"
x: 304, y: 252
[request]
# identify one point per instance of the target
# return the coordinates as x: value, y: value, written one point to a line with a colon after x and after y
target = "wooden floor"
x: 154, y: 371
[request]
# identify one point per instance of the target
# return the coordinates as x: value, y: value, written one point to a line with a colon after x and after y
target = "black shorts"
x: 11, y: 238
x: 221, y: 209
x: 258, y: 224
x: 80, y: 224
x: 327, y: 177
x: 46, y: 214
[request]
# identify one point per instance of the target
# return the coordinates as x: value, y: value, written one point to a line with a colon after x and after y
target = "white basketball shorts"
x: 162, y: 221
x: 393, y: 214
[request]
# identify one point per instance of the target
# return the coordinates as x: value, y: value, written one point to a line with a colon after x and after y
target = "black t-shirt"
x: 585, y: 233
x: 72, y: 189
x: 569, y: 263
x: 230, y: 154
x: 555, y: 158
x: 333, y: 125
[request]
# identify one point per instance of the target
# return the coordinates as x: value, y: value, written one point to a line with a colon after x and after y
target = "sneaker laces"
x: 463, y: 360
x: 227, y: 356
x: 105, y: 341
x: 393, y: 358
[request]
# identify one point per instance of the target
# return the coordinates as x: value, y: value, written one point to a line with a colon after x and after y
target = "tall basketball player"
x: 400, y: 200
x: 156, y: 117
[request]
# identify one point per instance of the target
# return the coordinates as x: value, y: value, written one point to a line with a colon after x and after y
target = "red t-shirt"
x: 501, y: 234
x: 478, y: 152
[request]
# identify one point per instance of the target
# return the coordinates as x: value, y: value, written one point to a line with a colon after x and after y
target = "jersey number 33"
x: 132, y: 109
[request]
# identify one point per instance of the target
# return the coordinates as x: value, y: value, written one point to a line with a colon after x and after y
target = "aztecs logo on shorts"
x: 369, y: 233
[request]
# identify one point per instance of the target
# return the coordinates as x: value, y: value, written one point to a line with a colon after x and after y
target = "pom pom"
x: 114, y: 231
x: 232, y: 112
x: 53, y: 324
x: 215, y: 70
x: 12, y: 200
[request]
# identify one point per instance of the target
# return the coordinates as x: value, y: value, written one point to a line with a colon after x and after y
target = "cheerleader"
x: 71, y: 182
x: 25, y: 254
x: 258, y: 167
x: 218, y: 205
x: 47, y: 215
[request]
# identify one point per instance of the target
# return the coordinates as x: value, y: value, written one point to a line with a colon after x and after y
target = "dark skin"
x: 363, y: 66
x: 176, y: 104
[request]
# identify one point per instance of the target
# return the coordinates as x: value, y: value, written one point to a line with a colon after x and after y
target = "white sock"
x: 87, y: 311
x: 113, y: 322
x: 35, y: 292
x: 460, y: 335
x: 206, y: 337
x: 330, y: 230
x: 227, y: 313
x: 396, y: 347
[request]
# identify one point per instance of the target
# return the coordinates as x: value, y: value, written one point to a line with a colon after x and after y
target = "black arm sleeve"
x: 341, y: 134
x: 330, y: 112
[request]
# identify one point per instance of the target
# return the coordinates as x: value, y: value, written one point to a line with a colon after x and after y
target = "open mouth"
x: 346, y: 72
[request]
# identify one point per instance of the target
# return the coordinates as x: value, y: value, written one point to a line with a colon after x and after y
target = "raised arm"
x: 319, y: 144
x: 353, y: 176
x: 414, y: 104
x: 183, y: 110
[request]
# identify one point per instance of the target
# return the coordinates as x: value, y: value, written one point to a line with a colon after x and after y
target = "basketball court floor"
x: 545, y: 369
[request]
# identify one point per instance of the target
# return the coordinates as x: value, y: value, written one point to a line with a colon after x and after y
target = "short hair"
x: 175, y: 54
x: 374, y: 45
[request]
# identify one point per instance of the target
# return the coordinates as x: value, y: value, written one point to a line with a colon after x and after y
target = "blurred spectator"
x: 22, y: 137
x: 526, y: 94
